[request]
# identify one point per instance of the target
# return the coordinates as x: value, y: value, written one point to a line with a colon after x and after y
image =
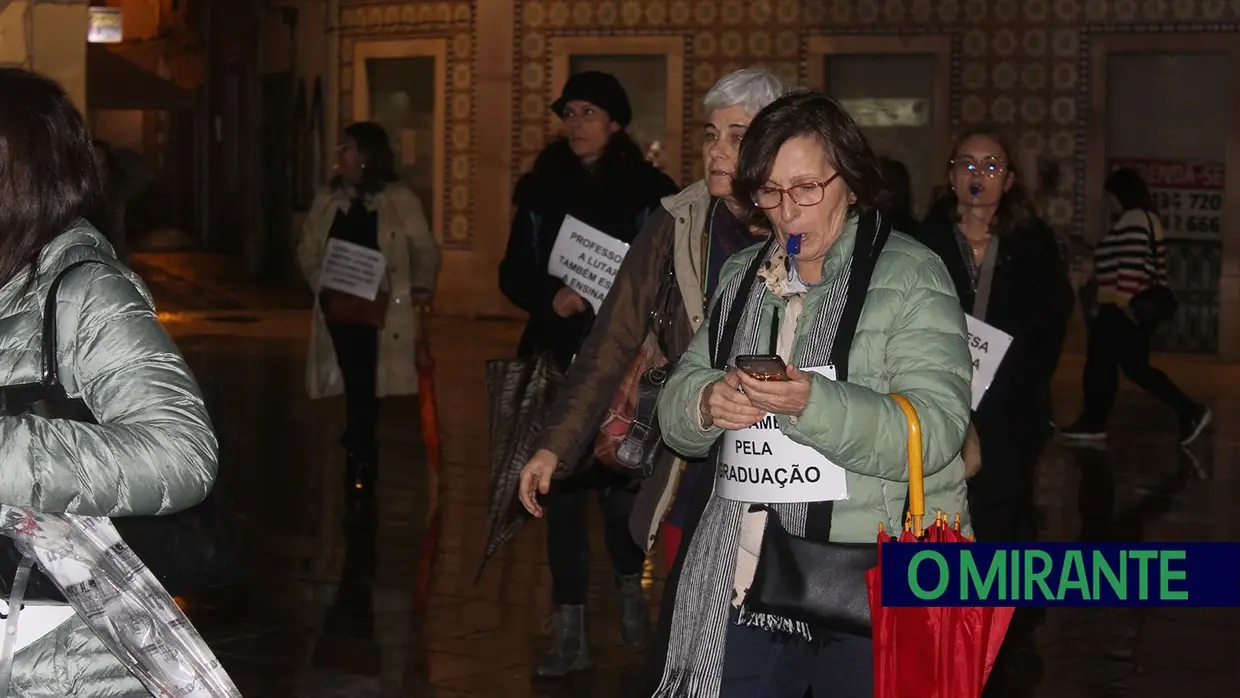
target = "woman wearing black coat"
x: 598, y: 175
x: 987, y: 219
x: 1030, y: 299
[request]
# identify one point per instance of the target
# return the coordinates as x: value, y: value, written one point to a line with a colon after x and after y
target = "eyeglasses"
x: 988, y: 166
x: 804, y: 194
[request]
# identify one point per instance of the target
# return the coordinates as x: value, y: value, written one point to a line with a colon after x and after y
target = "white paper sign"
x: 987, y: 345
x: 762, y: 465
x: 587, y: 259
x: 352, y: 269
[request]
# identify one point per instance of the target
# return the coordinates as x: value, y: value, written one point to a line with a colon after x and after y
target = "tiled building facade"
x: 1021, y: 63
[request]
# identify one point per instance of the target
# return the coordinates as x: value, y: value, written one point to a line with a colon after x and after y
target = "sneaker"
x: 1192, y: 424
x: 1082, y: 430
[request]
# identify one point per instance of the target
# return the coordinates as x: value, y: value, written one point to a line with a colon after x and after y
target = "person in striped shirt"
x: 1130, y: 258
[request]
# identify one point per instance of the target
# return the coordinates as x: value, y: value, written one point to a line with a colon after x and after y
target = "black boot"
x: 634, y: 613
x: 570, y: 650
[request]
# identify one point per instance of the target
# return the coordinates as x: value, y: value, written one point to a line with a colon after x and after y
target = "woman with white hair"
x: 667, y: 278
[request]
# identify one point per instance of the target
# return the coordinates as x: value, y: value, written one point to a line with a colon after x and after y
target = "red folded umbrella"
x: 930, y: 652
x: 429, y: 417
x: 426, y: 395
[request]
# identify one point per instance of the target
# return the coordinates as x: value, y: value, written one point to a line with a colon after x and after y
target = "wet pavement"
x: 388, y: 604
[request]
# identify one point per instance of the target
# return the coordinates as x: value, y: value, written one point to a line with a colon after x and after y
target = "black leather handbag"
x: 190, y: 551
x: 1156, y: 304
x: 821, y: 584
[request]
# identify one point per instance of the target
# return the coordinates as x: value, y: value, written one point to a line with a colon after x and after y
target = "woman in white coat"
x: 362, y: 348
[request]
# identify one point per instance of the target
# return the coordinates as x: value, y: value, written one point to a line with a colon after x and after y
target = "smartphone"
x: 764, y: 367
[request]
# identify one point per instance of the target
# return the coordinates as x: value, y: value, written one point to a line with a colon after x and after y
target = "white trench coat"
x: 413, y: 257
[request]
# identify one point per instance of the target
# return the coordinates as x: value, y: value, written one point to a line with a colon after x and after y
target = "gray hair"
x: 751, y: 88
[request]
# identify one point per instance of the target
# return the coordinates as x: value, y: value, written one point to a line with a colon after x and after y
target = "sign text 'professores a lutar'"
x: 587, y: 259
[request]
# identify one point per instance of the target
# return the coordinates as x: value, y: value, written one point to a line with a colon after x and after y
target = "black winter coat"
x: 1031, y: 299
x: 616, y: 196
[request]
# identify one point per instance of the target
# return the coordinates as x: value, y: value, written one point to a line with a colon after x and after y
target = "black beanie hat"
x: 602, y: 90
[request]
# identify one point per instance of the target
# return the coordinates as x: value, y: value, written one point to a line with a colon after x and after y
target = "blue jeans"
x: 757, y: 664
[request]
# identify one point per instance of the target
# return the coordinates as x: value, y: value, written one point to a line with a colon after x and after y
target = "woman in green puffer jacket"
x: 153, y: 450
x: 858, y: 313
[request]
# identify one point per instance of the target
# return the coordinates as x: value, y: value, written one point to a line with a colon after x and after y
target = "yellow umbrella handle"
x: 916, y: 475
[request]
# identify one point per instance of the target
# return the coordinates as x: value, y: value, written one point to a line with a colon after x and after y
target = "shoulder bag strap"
x: 864, y: 259
x: 985, y: 278
x: 49, y: 373
x: 722, y: 344
x: 1159, y: 268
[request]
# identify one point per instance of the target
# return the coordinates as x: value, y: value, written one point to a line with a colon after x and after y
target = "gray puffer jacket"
x: 153, y: 451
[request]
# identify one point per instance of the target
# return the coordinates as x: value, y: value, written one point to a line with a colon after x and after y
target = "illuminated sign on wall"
x: 105, y: 26
x: 885, y: 112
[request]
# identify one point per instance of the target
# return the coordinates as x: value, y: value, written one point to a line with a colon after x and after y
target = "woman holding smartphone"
x: 858, y: 313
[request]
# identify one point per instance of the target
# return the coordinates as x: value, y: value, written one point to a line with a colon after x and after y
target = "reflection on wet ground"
x: 379, y: 598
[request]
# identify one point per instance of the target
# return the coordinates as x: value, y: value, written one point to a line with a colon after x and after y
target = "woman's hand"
x: 972, y: 452
x: 536, y: 479
x: 724, y: 405
x: 568, y: 303
x: 420, y: 297
x: 779, y: 397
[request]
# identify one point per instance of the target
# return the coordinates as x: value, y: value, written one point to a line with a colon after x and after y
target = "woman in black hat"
x: 598, y: 175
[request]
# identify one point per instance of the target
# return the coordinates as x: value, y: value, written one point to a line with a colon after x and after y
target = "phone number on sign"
x: 1190, y: 212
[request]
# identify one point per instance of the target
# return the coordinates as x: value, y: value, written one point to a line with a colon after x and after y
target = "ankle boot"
x: 569, y: 651
x: 634, y: 613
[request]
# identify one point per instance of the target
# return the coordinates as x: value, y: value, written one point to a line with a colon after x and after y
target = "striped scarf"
x: 694, y: 665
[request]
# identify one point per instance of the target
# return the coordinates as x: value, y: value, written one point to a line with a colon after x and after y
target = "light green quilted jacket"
x: 153, y: 452
x: 910, y: 339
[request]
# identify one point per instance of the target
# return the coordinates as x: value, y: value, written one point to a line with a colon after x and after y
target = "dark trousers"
x: 1001, y: 495
x: 1117, y: 342
x: 757, y: 664
x: 568, y: 534
x: 357, y: 354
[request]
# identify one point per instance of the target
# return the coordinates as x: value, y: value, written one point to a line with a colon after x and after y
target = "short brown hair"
x: 805, y: 113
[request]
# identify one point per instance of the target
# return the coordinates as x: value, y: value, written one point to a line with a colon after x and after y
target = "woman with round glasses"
x: 857, y: 313
x: 1008, y: 273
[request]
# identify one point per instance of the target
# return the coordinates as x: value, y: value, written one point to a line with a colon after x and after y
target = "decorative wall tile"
x: 922, y: 10
x: 453, y: 19
x: 1021, y: 63
x: 1003, y: 110
x: 1213, y: 9
x: 1035, y: 10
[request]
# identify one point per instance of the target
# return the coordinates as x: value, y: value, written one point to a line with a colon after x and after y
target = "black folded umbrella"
x: 519, y: 392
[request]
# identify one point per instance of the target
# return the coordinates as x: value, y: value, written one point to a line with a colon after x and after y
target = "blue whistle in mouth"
x: 794, y: 245
x: 974, y: 190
